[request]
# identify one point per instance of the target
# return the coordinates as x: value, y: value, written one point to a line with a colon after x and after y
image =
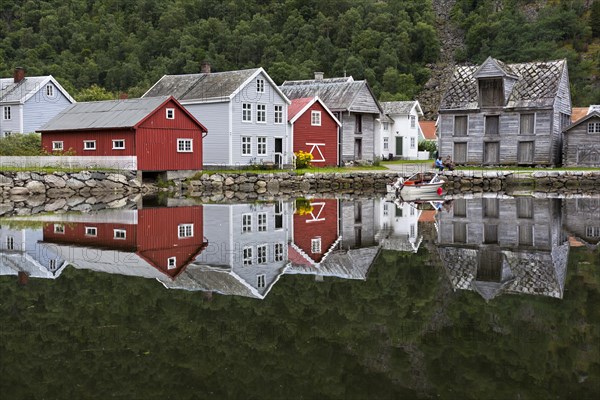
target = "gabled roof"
x: 340, y: 94
x: 536, y: 84
x: 346, y: 264
x: 20, y: 92
x: 127, y: 113
x: 491, y: 65
x: 578, y: 112
x: 594, y: 114
x: 400, y: 107
x: 428, y: 128
x: 207, y: 88
x: 299, y: 106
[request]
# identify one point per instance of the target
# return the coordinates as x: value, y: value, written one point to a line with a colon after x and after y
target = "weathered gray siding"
x: 580, y: 147
x: 349, y: 135
x: 357, y: 223
x: 581, y: 214
x: 364, y: 102
x: 40, y: 108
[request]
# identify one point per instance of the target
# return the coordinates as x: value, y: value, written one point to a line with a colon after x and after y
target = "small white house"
x: 399, y: 129
x: 398, y: 226
x: 27, y: 103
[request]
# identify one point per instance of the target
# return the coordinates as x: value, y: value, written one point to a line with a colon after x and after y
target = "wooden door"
x: 491, y: 153
x: 399, y: 141
x: 357, y: 149
x: 460, y: 153
x: 525, y: 153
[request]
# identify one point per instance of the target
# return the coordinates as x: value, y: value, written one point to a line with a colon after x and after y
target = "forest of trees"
x: 102, y: 47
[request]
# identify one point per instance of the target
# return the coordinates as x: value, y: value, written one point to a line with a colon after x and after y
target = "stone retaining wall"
x: 34, y: 192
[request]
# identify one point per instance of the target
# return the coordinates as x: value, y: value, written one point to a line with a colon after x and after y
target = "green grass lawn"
x: 301, y: 171
x: 50, y: 170
x: 407, y: 162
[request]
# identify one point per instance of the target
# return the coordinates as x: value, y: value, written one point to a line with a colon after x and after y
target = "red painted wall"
x: 156, y: 142
x: 74, y: 140
x: 306, y: 228
x: 327, y: 133
x: 75, y: 234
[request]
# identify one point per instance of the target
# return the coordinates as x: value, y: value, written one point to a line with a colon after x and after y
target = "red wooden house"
x: 167, y: 239
x: 316, y: 233
x: 157, y: 132
x: 315, y: 130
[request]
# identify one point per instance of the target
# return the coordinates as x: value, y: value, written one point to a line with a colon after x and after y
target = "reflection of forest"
x: 402, y: 333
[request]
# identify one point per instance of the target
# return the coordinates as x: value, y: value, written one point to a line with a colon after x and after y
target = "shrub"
x: 427, y: 145
x: 303, y: 159
x: 21, y: 145
x: 303, y: 206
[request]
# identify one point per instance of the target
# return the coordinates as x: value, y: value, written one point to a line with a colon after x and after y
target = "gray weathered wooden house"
x: 509, y: 245
x: 581, y: 142
x: 581, y: 219
x: 353, y: 104
x: 499, y: 113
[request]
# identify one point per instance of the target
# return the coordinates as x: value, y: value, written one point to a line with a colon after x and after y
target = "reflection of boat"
x: 420, y: 186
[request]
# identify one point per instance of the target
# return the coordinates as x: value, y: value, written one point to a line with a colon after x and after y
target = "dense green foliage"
x: 21, y: 145
x: 125, y: 46
x: 401, y: 333
x: 519, y: 32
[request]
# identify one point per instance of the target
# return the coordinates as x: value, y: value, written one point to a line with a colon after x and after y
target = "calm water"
x: 480, y: 298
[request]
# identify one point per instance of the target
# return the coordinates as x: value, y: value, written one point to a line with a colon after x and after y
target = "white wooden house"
x: 399, y: 132
x: 244, y: 111
x: 398, y: 226
x: 27, y: 103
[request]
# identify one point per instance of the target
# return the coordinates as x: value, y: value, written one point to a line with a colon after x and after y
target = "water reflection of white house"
x: 398, y: 225
x: 510, y: 245
x: 247, y: 251
x: 21, y: 252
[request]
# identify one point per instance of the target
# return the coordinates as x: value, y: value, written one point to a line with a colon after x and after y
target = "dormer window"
x: 491, y: 92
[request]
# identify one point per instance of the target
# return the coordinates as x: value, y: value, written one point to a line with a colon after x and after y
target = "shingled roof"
x: 205, y: 87
x: 339, y: 94
x: 20, y: 92
x: 536, y: 85
x: 400, y: 107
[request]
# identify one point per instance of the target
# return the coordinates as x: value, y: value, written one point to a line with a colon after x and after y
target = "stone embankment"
x: 24, y: 193
x: 249, y: 185
x: 540, y: 181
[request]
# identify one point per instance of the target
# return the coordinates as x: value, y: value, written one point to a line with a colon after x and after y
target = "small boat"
x: 420, y: 186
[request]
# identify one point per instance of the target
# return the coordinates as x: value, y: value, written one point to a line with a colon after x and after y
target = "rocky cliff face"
x: 451, y: 39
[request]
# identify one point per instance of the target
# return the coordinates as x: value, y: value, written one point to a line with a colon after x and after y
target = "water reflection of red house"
x: 316, y: 233
x: 166, y: 238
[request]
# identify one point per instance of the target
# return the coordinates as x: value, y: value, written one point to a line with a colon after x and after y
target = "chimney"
x: 22, y: 278
x: 123, y: 96
x: 19, y: 74
x: 205, y: 67
x: 318, y: 76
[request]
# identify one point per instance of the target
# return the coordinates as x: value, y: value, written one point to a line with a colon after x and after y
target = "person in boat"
x: 439, y: 164
x: 448, y: 163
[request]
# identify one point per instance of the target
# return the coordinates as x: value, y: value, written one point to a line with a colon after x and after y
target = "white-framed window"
x: 171, y: 262
x: 52, y: 264
x: 315, y: 118
x: 260, y: 281
x: 386, y: 209
x: 185, y: 230
x: 315, y: 245
x: 118, y: 144
x: 412, y: 142
x: 170, y: 113
x: 246, y: 112
x: 386, y: 143
x: 278, y: 252
x: 49, y: 91
x: 261, y: 113
x: 413, y: 121
x: 119, y: 234
x: 59, y: 228
x: 261, y: 222
x: 278, y: 113
x: 413, y: 230
x: 592, y: 231
x: 386, y: 126
x: 261, y: 254
x: 184, y: 146
x: 57, y: 146
x: 246, y: 146
x: 593, y: 127
x: 247, y: 256
x: 89, y: 145
x: 261, y: 146
x: 246, y: 223
x: 260, y: 85
x: 7, y: 133
x: 10, y: 243
x: 91, y: 231
x: 6, y: 114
